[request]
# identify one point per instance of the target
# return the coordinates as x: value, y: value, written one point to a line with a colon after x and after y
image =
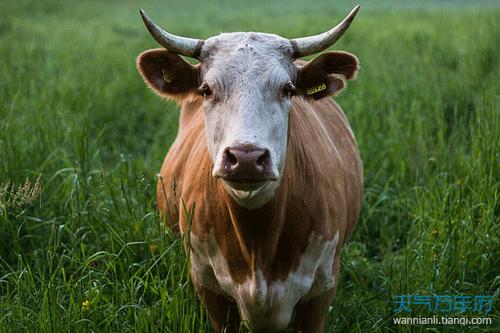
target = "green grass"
x: 91, y: 254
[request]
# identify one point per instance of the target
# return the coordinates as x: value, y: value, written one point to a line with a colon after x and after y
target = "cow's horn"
x: 313, y: 44
x: 189, y: 47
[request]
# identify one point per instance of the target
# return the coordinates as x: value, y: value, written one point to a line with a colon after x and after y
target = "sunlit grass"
x: 90, y: 253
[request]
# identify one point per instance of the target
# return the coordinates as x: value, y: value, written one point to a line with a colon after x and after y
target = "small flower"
x: 86, y: 305
x: 153, y: 248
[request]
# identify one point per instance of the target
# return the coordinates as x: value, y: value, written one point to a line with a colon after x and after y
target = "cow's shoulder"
x: 186, y: 166
x: 323, y: 162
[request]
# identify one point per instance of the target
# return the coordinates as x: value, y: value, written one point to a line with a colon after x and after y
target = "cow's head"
x: 247, y: 81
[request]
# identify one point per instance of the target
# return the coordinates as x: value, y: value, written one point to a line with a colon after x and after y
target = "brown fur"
x: 321, y: 191
x: 330, y: 68
x: 159, y: 64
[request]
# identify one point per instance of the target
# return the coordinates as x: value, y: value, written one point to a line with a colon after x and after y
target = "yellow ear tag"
x: 315, y: 89
x: 166, y: 77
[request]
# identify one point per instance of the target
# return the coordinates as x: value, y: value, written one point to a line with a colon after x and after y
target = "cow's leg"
x: 222, y: 311
x: 310, y: 316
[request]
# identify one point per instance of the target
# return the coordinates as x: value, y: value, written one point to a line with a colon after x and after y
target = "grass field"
x: 83, y: 249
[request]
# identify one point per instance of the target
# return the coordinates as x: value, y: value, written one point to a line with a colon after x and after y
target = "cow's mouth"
x: 245, y: 184
x: 248, y: 182
x: 253, y: 194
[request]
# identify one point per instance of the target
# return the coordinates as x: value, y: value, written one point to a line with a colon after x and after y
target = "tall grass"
x: 90, y: 252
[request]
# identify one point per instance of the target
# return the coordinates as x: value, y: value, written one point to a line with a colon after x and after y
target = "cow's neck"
x: 258, y: 230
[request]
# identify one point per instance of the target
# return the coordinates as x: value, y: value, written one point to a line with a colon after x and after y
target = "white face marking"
x: 266, y: 304
x: 246, y: 73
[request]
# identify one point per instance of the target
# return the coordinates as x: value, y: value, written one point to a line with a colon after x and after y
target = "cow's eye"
x: 289, y: 90
x: 205, y: 90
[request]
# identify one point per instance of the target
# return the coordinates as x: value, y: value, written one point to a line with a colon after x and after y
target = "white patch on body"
x: 266, y: 304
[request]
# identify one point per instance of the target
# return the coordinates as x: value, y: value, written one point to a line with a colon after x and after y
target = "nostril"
x: 263, y: 159
x: 230, y: 158
x: 245, y: 163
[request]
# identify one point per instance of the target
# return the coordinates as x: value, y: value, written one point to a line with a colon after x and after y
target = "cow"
x: 264, y: 179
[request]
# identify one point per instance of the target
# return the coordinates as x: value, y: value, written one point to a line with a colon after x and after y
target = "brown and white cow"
x: 271, y: 166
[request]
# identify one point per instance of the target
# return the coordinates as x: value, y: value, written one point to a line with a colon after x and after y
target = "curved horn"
x: 189, y: 47
x: 313, y: 44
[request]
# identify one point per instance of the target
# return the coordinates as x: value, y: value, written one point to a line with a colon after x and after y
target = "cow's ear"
x: 326, y: 75
x: 167, y: 74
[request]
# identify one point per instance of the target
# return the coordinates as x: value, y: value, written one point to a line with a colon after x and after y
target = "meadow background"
x: 82, y: 248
